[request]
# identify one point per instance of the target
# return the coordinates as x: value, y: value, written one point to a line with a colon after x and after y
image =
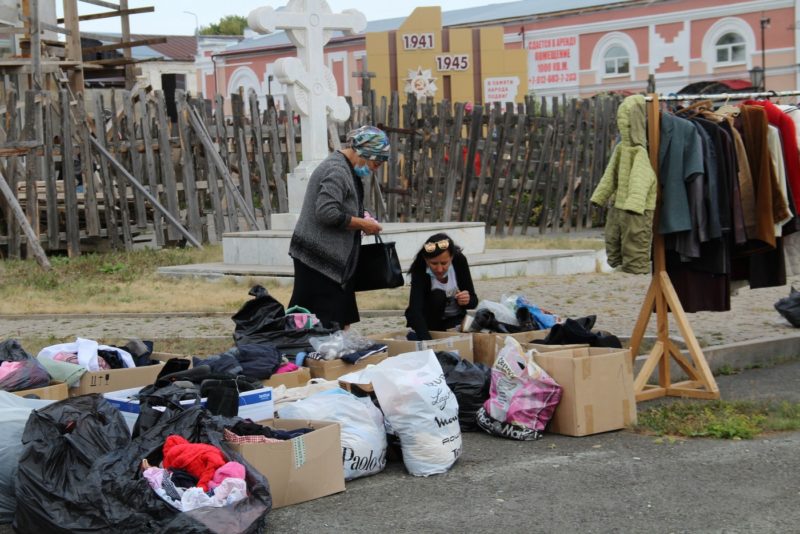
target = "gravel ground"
x: 615, y: 298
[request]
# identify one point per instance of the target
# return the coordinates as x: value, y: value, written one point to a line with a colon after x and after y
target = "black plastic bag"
x: 261, y: 314
x: 469, y: 382
x: 89, y: 480
x: 789, y: 307
x: 578, y: 331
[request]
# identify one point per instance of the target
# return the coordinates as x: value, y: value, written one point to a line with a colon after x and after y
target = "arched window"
x: 617, y: 61
x: 731, y: 48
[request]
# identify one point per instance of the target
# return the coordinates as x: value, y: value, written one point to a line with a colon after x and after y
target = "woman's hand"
x: 371, y: 227
x: 368, y: 226
x: 462, y: 298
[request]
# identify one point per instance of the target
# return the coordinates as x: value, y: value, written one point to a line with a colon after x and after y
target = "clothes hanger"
x: 694, y: 109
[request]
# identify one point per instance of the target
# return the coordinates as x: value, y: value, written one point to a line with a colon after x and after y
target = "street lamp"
x: 196, y: 22
x: 757, y: 78
x: 764, y: 24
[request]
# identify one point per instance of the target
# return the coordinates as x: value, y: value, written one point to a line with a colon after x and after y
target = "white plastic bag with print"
x: 363, y: 436
x: 421, y: 410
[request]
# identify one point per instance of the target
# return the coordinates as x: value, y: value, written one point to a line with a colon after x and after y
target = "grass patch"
x: 720, y: 419
x: 119, y: 282
x: 561, y: 243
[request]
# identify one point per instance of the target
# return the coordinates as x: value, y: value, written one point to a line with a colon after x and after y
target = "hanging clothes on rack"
x: 630, y: 181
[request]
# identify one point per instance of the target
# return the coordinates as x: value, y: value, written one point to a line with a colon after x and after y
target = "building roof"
x: 467, y: 16
x: 177, y: 47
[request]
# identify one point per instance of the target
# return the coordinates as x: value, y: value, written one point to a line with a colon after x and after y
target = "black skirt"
x: 324, y: 297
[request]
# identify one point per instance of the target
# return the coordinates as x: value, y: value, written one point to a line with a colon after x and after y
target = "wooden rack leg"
x: 662, y: 297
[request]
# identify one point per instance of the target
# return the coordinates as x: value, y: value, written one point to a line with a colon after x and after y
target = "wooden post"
x: 130, y: 75
x: 259, y: 157
x: 73, y: 48
x: 661, y: 295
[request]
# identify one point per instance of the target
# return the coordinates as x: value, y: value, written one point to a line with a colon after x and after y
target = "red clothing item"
x: 791, y: 153
x: 199, y: 459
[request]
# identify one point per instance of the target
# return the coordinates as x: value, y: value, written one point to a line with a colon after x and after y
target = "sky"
x: 170, y: 17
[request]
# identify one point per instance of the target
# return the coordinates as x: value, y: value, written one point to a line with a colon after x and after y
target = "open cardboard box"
x: 485, y: 344
x: 598, y: 389
x: 55, y: 391
x: 300, y: 469
x: 397, y: 343
x: 333, y: 369
x: 108, y: 380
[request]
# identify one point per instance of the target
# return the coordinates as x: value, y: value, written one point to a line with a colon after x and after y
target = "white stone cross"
x: 312, y: 86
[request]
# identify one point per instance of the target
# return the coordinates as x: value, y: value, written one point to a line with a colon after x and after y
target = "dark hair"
x: 422, y: 255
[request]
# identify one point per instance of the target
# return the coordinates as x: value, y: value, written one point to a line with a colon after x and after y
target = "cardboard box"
x: 116, y: 379
x: 484, y: 345
x: 293, y: 379
x: 539, y: 347
x: 256, y: 404
x: 301, y: 469
x: 333, y: 369
x: 598, y: 389
x: 55, y: 391
x: 396, y: 343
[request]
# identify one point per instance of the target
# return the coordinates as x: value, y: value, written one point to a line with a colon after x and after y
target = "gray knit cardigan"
x: 321, y: 239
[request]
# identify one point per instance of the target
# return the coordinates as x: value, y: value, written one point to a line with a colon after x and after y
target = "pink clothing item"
x: 69, y: 357
x: 229, y: 470
x: 286, y: 368
x: 9, y: 368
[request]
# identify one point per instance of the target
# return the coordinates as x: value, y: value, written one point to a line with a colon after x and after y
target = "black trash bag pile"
x: 469, y: 382
x: 789, y: 307
x: 262, y: 320
x: 575, y: 331
x: 80, y: 472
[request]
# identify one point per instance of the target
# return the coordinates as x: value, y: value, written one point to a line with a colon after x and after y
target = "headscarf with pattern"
x: 370, y: 143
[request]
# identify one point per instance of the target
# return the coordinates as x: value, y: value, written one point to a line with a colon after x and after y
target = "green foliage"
x: 227, y: 25
x: 720, y: 419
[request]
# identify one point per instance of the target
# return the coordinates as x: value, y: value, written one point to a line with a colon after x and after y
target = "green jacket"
x: 629, y: 174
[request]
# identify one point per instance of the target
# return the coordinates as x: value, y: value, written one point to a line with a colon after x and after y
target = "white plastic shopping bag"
x: 420, y: 409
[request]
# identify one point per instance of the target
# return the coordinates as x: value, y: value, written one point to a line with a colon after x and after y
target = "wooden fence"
x: 86, y: 184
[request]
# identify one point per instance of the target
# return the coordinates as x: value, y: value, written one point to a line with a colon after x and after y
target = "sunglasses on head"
x: 444, y: 244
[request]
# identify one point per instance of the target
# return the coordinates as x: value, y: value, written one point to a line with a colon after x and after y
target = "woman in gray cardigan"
x: 327, y: 238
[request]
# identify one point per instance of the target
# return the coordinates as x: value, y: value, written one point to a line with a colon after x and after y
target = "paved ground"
x: 614, y: 297
x: 613, y: 482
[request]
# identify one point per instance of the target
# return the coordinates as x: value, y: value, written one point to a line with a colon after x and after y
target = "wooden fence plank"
x: 33, y: 163
x: 475, y: 125
x: 136, y: 158
x: 68, y: 170
x: 122, y: 192
x: 51, y: 129
x: 454, y: 164
x: 150, y: 164
x: 260, y: 158
x: 506, y: 198
x: 110, y: 214
x: 277, y: 160
x: 486, y: 160
x: 167, y: 165
x: 91, y: 214
x: 14, y: 249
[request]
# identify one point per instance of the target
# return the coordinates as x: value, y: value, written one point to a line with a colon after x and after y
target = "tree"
x: 227, y: 25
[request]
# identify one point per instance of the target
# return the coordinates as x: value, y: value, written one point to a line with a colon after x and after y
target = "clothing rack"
x: 662, y: 298
x: 722, y: 96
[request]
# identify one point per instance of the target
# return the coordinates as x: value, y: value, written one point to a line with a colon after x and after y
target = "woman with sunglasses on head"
x: 441, y: 287
x: 327, y: 238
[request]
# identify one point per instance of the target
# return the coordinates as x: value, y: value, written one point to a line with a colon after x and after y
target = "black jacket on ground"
x: 426, y: 306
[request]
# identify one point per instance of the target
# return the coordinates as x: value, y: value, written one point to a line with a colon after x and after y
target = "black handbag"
x: 378, y: 267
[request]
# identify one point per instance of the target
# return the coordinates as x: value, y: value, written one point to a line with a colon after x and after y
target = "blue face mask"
x: 362, y: 170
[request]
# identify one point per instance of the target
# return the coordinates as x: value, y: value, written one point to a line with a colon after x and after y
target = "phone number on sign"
x: 556, y: 78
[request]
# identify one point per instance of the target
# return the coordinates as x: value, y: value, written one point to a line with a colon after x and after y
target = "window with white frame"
x: 731, y: 48
x: 617, y: 61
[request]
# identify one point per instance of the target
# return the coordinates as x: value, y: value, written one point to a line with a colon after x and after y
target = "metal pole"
x: 764, y: 24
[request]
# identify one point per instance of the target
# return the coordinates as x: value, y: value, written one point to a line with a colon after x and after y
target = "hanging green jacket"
x: 629, y: 174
